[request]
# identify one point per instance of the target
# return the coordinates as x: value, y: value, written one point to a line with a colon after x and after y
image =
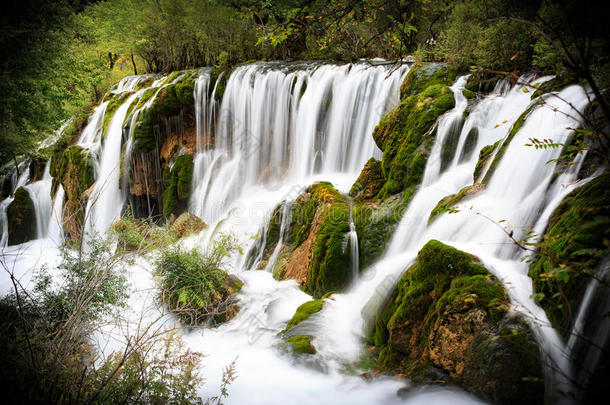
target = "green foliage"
x: 46, y: 335
x: 177, y: 183
x: 21, y: 218
x: 576, y: 240
x: 141, y: 235
x: 302, y: 344
x: 195, y: 285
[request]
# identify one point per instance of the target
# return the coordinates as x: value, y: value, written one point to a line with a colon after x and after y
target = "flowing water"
x: 278, y: 128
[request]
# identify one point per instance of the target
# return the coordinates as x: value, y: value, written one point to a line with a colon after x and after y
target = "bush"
x: 195, y: 285
x: 46, y: 340
x: 141, y: 235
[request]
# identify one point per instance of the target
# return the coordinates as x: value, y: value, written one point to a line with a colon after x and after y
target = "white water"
x: 270, y: 142
x: 270, y: 132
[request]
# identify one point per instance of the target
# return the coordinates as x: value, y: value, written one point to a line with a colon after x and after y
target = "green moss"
x: 421, y: 76
x: 21, y: 217
x: 402, y: 136
x: 305, y: 207
x: 304, y: 311
x: 469, y: 94
x: 375, y: 224
x: 177, y: 183
x: 113, y: 104
x: 448, y: 319
x: 447, y: 203
x: 485, y: 154
x: 329, y: 269
x: 302, y: 344
x: 504, y: 145
x: 577, y: 238
x: 426, y: 290
x: 369, y: 182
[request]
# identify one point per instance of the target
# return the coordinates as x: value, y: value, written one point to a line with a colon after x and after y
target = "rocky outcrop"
x: 74, y: 171
x: 163, y: 132
x: 186, y: 224
x: 21, y: 217
x: 577, y: 239
x: 177, y: 183
x: 313, y: 252
x: 369, y: 182
x: 485, y: 155
x: 447, y: 203
x: 406, y: 134
x: 448, y: 321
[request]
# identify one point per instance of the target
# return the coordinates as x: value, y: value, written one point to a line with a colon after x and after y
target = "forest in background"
x: 60, y: 57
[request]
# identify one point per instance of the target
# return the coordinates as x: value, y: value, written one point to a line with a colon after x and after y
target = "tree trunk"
x: 133, y: 62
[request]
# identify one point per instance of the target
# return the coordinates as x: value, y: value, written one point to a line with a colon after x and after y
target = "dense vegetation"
x: 60, y: 56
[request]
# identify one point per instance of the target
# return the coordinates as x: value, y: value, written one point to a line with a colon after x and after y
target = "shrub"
x: 195, y: 285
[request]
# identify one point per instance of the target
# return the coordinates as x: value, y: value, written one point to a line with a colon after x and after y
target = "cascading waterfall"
x: 17, y: 180
x: 278, y: 128
x: 274, y: 123
x: 352, y: 241
x: 106, y: 201
x: 516, y: 193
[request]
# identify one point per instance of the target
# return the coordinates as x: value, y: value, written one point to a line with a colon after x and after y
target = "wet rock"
x: 21, y: 217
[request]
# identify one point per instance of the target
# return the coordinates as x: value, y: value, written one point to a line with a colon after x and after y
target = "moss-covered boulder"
x: 369, y: 182
x: 186, y: 224
x: 448, y: 321
x: 301, y: 344
x: 447, y: 203
x: 577, y: 239
x: 485, y: 155
x: 422, y: 75
x: 375, y: 223
x: 74, y: 170
x: 21, y: 217
x: 314, y: 250
x: 405, y: 134
x: 177, y: 183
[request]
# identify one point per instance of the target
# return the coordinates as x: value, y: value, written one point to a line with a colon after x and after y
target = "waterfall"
x: 273, y: 126
x: 465, y: 229
x: 277, y: 128
x: 19, y: 178
x: 353, y: 245
x: 40, y: 193
x: 106, y: 201
x: 284, y: 228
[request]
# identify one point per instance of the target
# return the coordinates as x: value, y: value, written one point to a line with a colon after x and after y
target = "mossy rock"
x: 113, y: 104
x: 485, y: 155
x: 423, y: 75
x: 21, y: 216
x: 447, y: 203
x: 313, y: 251
x: 369, y: 182
x: 186, y: 224
x: 177, y: 183
x: 303, y: 312
x: 506, y: 142
x: 448, y: 319
x: 375, y: 225
x: 577, y: 239
x: 405, y: 134
x: 301, y: 344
